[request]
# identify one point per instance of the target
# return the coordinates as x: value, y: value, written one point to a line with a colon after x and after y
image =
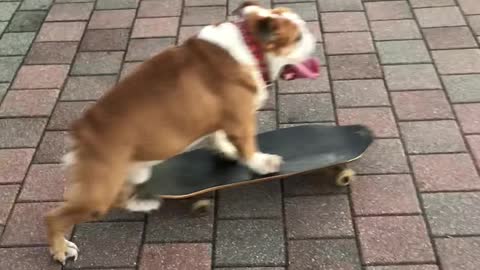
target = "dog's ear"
x: 245, y: 4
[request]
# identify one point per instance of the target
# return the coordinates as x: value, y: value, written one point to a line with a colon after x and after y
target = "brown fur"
x: 170, y: 101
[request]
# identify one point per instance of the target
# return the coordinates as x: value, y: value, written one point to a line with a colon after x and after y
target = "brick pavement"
x: 410, y: 69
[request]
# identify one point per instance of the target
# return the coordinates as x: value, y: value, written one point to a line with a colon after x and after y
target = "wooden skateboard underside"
x: 303, y: 148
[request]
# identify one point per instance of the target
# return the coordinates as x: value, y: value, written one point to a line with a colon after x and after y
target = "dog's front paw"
x: 262, y: 163
x: 68, y: 250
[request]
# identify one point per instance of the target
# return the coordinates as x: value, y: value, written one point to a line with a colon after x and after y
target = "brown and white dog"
x: 210, y: 86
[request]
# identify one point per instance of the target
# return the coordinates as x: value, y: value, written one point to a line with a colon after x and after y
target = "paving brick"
x: 70, y: 12
x: 344, y: 21
x: 143, y: 49
x: 439, y: 16
x: 315, y: 183
x: 3, y: 25
x: 314, y: 27
x: 305, y: 108
x: 380, y: 120
x: 176, y: 256
x: 404, y: 51
x: 458, y: 37
x: 104, y: 19
x: 417, y: 105
x: 249, y: 242
x: 261, y: 200
x: 14, y: 164
x: 431, y: 3
x: 319, y: 53
x: 474, y: 22
x: 383, y: 156
x: 129, y: 68
x: 21, y: 132
x: 29, y: 103
x: 61, y: 31
x: 340, y: 5
x: 8, y: 194
x: 348, y: 43
x: 388, y: 10
x: 7, y: 9
x: 27, y: 258
x: 52, y: 148
x: 187, y: 32
x: 395, y: 29
x: 26, y: 225
x: 323, y: 254
x: 474, y: 143
x: 469, y: 6
x: 411, y: 77
x: 44, y: 182
x: 266, y: 121
x: 463, y: 88
x: 404, y: 267
x: 67, y: 112
x: 26, y: 21
x: 87, y: 87
x: 362, y: 66
x: 394, y: 239
x: 41, y: 76
x: 458, y: 253
x: 251, y: 268
x: 469, y: 117
x: 453, y: 213
x: 307, y: 11
x: 3, y: 89
x: 354, y: 93
x: 384, y: 194
x: 103, y: 244
x: 105, y: 40
x: 432, y: 136
x: 15, y: 43
x: 51, y: 53
x: 8, y: 67
x: 36, y: 4
x: 116, y: 4
x: 271, y: 102
x: 160, y: 8
x: 313, y: 217
x: 321, y: 84
x: 205, y: 2
x: 445, y: 172
x: 155, y: 27
x: 92, y: 63
x: 203, y: 15
x: 175, y: 223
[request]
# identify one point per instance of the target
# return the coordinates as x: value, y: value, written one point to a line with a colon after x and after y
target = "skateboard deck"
x: 303, y: 148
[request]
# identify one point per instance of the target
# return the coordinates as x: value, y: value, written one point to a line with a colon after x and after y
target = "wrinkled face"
x: 282, y: 33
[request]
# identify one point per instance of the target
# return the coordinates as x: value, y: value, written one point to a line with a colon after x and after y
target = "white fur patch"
x: 138, y: 205
x: 262, y: 163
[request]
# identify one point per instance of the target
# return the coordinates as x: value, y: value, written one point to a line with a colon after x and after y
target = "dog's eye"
x: 298, y: 38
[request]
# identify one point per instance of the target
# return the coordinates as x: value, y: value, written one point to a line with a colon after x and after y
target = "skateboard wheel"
x: 201, y: 207
x: 345, y: 177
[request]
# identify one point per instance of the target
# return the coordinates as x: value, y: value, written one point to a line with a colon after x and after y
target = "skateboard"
x: 304, y: 149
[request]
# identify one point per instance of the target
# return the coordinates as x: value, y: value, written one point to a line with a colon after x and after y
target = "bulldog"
x: 208, y: 87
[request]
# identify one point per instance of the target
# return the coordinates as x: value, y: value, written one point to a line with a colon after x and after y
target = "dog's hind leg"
x: 96, y: 185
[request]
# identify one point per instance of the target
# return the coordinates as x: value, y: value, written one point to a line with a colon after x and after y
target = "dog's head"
x: 283, y: 35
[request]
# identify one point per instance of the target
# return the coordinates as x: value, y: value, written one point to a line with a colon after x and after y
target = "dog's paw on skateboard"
x: 69, y: 250
x: 262, y: 163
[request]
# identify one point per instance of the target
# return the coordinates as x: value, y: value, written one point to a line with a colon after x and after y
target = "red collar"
x: 255, y: 49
